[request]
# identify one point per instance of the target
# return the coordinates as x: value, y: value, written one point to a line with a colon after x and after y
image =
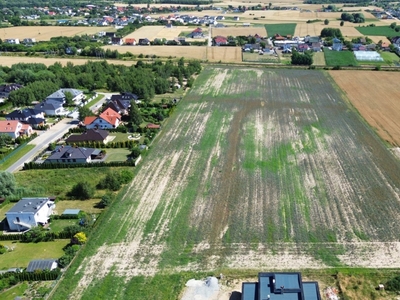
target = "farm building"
x: 42, y: 264
x: 280, y: 286
x: 29, y: 212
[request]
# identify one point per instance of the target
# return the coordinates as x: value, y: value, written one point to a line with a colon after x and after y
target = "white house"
x: 12, y: 41
x: 59, y: 96
x: 14, y: 128
x: 29, y: 212
x: 108, y: 119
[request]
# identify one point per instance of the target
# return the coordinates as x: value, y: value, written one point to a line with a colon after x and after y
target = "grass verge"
x: 21, y: 152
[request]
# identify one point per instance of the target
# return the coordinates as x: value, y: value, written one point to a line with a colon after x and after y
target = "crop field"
x: 339, y: 58
x: 378, y: 106
x: 282, y: 29
x: 377, y: 30
x: 224, y: 54
x: 44, y: 33
x: 303, y: 29
x: 256, y: 169
x: 237, y: 31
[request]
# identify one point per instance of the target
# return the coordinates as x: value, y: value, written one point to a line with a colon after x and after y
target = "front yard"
x: 88, y: 206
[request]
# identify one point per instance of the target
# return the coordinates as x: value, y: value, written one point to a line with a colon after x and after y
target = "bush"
x: 111, y: 181
x: 3, y: 249
x: 105, y: 200
x: 393, y: 284
x: 82, y: 191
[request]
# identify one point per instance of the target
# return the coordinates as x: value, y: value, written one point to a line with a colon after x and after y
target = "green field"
x: 117, y: 154
x: 23, y: 253
x: 59, y: 182
x: 282, y: 29
x: 319, y: 59
x: 377, y: 30
x: 390, y: 58
x: 88, y: 206
x: 339, y: 58
x: 258, y: 169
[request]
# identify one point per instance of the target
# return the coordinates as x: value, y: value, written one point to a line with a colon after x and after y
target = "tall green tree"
x: 134, y: 115
x: 84, y: 112
x: 8, y: 184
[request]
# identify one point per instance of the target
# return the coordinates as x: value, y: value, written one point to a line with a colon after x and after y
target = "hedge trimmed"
x: 35, y: 166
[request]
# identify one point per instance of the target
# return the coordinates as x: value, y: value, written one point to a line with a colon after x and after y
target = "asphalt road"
x: 55, y: 132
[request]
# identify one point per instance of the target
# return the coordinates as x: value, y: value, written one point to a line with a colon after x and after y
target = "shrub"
x: 82, y: 191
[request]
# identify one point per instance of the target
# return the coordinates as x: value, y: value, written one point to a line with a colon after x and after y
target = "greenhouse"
x: 367, y: 56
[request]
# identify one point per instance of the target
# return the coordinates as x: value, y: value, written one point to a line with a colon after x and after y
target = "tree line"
x: 143, y: 79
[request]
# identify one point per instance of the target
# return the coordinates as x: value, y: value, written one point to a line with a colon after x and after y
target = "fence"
x: 12, y: 153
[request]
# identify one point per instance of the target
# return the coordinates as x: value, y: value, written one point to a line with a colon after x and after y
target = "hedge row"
x: 99, y: 145
x: 49, y: 236
x: 35, y: 166
x: 33, y: 276
x: 63, y: 217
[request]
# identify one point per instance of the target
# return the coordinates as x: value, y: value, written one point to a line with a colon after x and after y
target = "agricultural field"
x: 377, y: 30
x: 282, y: 29
x: 378, y: 106
x: 237, y: 31
x: 257, y: 169
x: 314, y: 29
x: 255, y: 57
x: 44, y: 33
x: 319, y: 59
x: 339, y: 58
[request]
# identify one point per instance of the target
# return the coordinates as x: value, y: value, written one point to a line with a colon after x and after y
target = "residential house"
x: 29, y: 41
x: 25, y: 114
x: 303, y: 47
x: 220, y: 18
x: 29, y: 212
x: 110, y: 34
x: 236, y: 18
x: 125, y: 96
x: 6, y: 89
x: 117, y: 41
x: 59, y: 96
x: 144, y: 42
x: 50, y: 109
x: 38, y: 265
x: 108, y: 119
x: 15, y: 128
x: 12, y: 41
x: 130, y: 41
x: 316, y: 47
x: 120, y: 106
x: 278, y: 37
x: 196, y: 34
x: 220, y: 40
x: 337, y: 46
x: 395, y: 40
x: 312, y: 39
x: 73, y: 155
x: 280, y: 286
x: 91, y: 135
x: 385, y: 46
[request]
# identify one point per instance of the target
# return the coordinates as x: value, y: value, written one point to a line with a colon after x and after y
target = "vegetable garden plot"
x: 257, y: 168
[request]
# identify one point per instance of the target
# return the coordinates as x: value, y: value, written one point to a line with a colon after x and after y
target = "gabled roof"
x: 35, y: 121
x: 89, y: 135
x: 70, y: 152
x: 61, y: 93
x: 110, y: 116
x: 23, y: 113
x: 40, y: 264
x: 8, y: 125
x: 89, y: 120
x: 7, y: 88
x: 47, y: 106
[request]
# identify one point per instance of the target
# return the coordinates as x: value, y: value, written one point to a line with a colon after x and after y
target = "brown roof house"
x: 91, y: 135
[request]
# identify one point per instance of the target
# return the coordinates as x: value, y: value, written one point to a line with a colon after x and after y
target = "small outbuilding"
x: 42, y: 264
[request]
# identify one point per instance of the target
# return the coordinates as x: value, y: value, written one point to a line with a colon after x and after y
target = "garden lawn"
x: 17, y: 155
x: 23, y: 253
x: 117, y: 154
x: 14, y: 292
x: 377, y: 30
x: 59, y: 224
x: 88, y: 206
x: 119, y: 137
x: 339, y: 58
x: 319, y: 59
x: 282, y: 29
x: 5, y: 208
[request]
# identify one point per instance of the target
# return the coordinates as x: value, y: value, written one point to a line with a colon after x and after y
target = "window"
x: 74, y: 160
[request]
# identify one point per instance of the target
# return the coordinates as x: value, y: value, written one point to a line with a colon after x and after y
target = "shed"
x: 71, y: 212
